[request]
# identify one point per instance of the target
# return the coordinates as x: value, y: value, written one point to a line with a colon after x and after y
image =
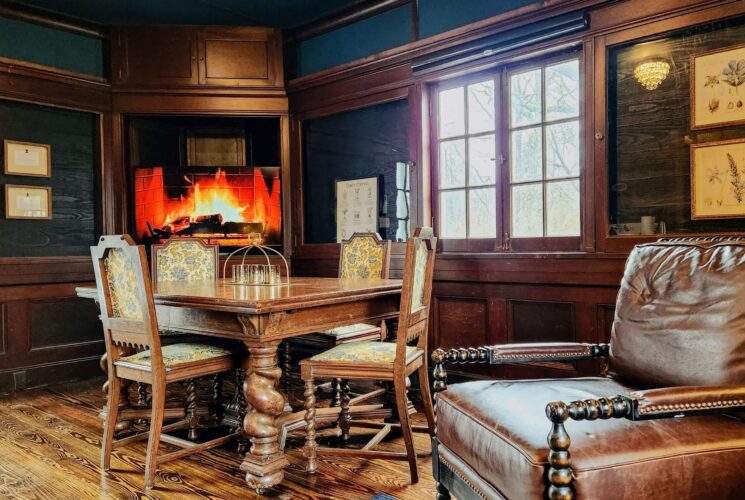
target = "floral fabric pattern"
x: 420, y: 269
x: 363, y: 352
x: 185, y: 261
x: 176, y: 354
x: 343, y: 330
x: 124, y: 291
x: 362, y: 257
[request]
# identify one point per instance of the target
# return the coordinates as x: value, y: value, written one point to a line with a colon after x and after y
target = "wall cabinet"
x: 228, y: 57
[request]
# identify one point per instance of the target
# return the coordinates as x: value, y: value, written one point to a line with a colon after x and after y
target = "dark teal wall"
x: 438, y: 16
x: 375, y: 34
x: 50, y: 47
x: 392, y: 29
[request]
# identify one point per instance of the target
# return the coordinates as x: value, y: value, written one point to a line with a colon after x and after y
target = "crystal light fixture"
x: 651, y: 73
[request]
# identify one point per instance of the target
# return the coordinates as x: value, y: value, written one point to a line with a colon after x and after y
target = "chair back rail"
x: 416, y: 292
x: 126, y: 298
x: 185, y: 259
x: 365, y: 255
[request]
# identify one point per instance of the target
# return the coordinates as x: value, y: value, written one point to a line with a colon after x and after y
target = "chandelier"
x: 651, y: 73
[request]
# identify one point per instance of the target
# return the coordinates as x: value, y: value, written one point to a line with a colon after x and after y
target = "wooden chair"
x: 130, y: 323
x: 363, y: 255
x: 387, y: 361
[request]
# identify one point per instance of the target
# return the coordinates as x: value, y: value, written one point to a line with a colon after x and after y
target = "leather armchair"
x: 677, y: 350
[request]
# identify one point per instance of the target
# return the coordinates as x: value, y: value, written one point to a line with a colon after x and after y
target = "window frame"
x: 503, y: 242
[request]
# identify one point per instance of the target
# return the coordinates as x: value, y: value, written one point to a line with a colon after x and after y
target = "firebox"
x: 216, y: 179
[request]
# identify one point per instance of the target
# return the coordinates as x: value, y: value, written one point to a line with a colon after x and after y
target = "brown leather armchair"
x: 677, y: 350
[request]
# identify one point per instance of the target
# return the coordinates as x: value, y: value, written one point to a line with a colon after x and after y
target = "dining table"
x: 261, y: 317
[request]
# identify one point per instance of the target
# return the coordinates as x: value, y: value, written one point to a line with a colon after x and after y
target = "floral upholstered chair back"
x: 125, y: 294
x: 365, y: 255
x: 181, y: 259
x: 416, y: 292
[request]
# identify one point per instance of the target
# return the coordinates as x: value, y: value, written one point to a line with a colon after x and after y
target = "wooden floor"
x: 49, y: 449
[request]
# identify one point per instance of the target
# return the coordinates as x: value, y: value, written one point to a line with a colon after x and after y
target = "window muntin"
x: 544, y: 159
x: 466, y: 146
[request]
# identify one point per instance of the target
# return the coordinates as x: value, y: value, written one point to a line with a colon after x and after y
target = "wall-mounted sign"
x: 27, y: 158
x: 28, y: 202
x: 356, y: 207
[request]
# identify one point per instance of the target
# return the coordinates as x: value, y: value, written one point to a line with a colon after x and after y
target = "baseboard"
x: 28, y: 377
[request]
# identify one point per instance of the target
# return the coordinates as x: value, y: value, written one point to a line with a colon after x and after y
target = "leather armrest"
x: 691, y: 400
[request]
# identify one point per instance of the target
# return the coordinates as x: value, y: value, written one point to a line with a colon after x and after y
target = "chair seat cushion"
x: 176, y: 354
x: 350, y: 330
x: 499, y: 429
x: 365, y: 352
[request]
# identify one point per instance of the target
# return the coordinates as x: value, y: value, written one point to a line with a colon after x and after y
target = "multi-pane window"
x: 467, y: 176
x: 508, y: 155
x: 544, y: 159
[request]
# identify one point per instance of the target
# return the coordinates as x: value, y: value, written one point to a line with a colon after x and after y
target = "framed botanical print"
x: 718, y: 180
x: 28, y: 202
x: 27, y: 159
x: 718, y: 88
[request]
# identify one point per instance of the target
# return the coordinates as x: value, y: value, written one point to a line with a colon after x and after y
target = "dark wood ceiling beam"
x: 350, y: 15
x: 15, y: 10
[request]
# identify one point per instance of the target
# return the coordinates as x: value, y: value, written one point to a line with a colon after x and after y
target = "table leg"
x: 264, y: 464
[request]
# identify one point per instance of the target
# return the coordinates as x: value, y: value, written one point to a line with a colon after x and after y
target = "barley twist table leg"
x: 264, y: 464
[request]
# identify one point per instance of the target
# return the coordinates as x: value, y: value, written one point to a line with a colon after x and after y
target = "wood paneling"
x: 468, y: 317
x: 67, y: 321
x: 155, y: 56
x: 240, y: 57
x: 541, y: 322
x: 3, y: 329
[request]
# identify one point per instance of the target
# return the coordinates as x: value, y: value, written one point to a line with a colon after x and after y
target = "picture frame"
x: 356, y: 207
x: 28, y: 202
x: 28, y: 159
x: 718, y: 88
x: 718, y: 180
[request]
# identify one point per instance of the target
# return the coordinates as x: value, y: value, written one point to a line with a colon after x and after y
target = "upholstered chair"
x: 185, y: 259
x: 392, y: 362
x: 668, y: 401
x: 363, y: 255
x: 134, y: 353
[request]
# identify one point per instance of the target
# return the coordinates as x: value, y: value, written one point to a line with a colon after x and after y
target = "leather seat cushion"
x: 499, y: 429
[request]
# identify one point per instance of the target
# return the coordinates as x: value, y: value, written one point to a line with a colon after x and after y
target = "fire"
x: 209, y: 197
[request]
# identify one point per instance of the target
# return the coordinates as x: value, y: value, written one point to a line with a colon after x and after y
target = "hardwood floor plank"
x: 50, y: 447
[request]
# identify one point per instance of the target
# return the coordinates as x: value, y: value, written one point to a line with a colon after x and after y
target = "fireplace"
x: 230, y: 206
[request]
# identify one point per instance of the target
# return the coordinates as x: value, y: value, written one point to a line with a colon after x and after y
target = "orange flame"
x: 210, y: 197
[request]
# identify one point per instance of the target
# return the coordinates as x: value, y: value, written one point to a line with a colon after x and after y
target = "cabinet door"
x: 240, y: 57
x: 156, y: 56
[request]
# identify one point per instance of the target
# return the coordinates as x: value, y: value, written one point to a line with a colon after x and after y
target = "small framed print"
x: 27, y: 158
x: 718, y: 180
x: 717, y: 88
x: 28, y: 202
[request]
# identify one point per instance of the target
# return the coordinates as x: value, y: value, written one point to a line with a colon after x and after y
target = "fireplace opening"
x: 217, y: 179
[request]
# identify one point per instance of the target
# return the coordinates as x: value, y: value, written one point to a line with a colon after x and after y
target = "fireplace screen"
x: 229, y: 206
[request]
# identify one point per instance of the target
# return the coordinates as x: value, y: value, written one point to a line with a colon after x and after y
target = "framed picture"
x: 28, y: 202
x: 27, y: 158
x: 718, y: 88
x: 718, y: 180
x: 356, y: 207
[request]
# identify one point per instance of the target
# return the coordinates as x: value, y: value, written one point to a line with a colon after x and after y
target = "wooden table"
x: 260, y: 317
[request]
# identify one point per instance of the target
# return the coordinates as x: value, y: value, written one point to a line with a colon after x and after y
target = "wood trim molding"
x: 15, y: 10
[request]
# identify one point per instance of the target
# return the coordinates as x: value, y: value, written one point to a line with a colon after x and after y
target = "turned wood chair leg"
x: 402, y: 405
x: 109, y: 426
x: 240, y: 400
x: 217, y: 404
x: 309, y: 450
x: 156, y: 423
x: 191, y: 409
x: 429, y: 410
x: 286, y: 369
x: 345, y: 419
x: 335, y: 394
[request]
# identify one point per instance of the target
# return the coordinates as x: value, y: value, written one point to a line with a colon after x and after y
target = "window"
x: 508, y: 162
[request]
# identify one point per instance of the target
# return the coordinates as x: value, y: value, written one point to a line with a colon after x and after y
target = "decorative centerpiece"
x: 257, y: 274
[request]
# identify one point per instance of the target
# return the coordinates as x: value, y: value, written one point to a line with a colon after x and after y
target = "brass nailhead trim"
x: 692, y: 406
x: 462, y: 478
x: 496, y: 354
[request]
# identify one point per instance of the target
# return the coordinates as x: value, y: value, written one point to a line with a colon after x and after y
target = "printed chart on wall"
x: 356, y: 207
